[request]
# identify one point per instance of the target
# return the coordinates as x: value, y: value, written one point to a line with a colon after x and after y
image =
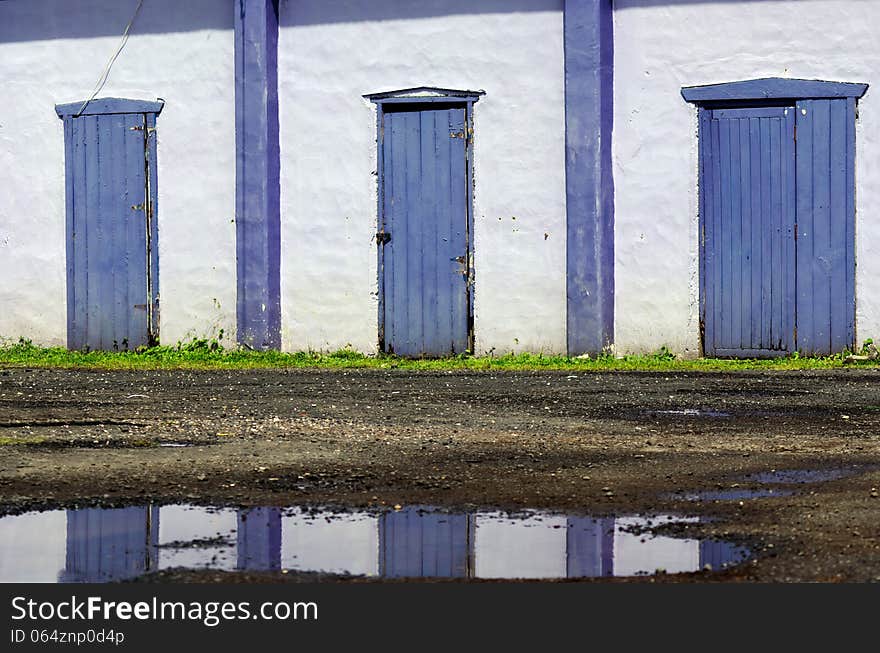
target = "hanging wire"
x: 106, y: 74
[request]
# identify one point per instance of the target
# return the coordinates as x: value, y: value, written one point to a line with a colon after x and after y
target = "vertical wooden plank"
x: 458, y: 216
x: 414, y: 220
x: 717, y: 241
x: 77, y: 239
x: 745, y: 254
x: 105, y: 258
x: 822, y: 262
x: 850, y: 221
x: 805, y: 231
x: 153, y: 230
x: 117, y: 216
x: 789, y: 228
x: 706, y: 198
x: 386, y: 257
x: 768, y: 232
x: 756, y: 223
x: 837, y: 282
x: 777, y: 176
x: 430, y: 211
x: 135, y: 184
x: 399, y: 238
x: 725, y: 241
x: 69, y: 170
x: 85, y: 202
x: 736, y: 241
x: 92, y: 179
x: 444, y: 233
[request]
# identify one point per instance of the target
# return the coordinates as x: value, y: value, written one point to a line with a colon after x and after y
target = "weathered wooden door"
x: 423, y: 230
x: 748, y: 231
x: 112, y: 260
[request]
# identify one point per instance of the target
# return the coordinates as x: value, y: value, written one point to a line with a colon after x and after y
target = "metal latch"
x: 383, y: 237
x: 456, y: 134
x: 138, y: 207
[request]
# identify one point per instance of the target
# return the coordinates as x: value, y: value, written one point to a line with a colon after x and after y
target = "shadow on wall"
x: 41, y: 20
x: 317, y: 12
x: 635, y: 4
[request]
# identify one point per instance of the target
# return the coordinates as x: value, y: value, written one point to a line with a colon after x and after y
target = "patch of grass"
x: 204, y: 355
x: 6, y: 441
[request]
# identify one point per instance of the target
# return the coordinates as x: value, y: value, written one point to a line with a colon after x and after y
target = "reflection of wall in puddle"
x: 347, y: 543
x: 213, y: 529
x: 32, y: 547
x: 102, y: 545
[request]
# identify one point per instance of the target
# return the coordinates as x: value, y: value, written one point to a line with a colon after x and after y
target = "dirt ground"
x: 597, y: 444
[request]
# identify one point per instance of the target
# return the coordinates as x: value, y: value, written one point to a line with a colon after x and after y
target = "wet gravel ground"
x: 599, y: 444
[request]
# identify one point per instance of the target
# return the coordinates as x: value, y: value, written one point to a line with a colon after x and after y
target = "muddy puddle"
x: 101, y: 545
x: 732, y: 494
x: 689, y: 412
x: 799, y: 476
x: 772, y: 478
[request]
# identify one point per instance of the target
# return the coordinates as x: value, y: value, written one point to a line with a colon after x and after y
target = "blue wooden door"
x: 111, y: 260
x: 748, y: 203
x: 423, y: 238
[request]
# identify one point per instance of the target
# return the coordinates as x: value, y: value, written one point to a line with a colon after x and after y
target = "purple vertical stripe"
x: 589, y: 192
x: 257, y: 184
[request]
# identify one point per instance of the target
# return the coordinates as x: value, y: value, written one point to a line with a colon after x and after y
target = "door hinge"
x: 456, y: 134
x: 383, y: 237
x: 140, y: 128
x: 138, y: 207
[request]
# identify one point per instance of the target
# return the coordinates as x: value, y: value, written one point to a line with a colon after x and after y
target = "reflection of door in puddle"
x: 416, y: 542
x: 109, y: 544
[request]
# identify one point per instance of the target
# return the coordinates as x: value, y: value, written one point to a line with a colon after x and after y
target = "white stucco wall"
x: 662, y: 46
x: 331, y: 52
x: 53, y: 52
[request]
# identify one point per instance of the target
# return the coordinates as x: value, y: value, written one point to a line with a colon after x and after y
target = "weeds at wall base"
x: 209, y: 354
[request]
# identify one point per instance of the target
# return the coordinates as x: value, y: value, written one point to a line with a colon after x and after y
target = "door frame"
x: 422, y: 98
x: 805, y: 95
x: 104, y: 106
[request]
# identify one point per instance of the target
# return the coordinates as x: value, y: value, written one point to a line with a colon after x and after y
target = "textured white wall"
x: 331, y: 52
x: 53, y: 52
x: 662, y: 46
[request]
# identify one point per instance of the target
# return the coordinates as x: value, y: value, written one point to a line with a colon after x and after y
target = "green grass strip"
x: 208, y: 355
